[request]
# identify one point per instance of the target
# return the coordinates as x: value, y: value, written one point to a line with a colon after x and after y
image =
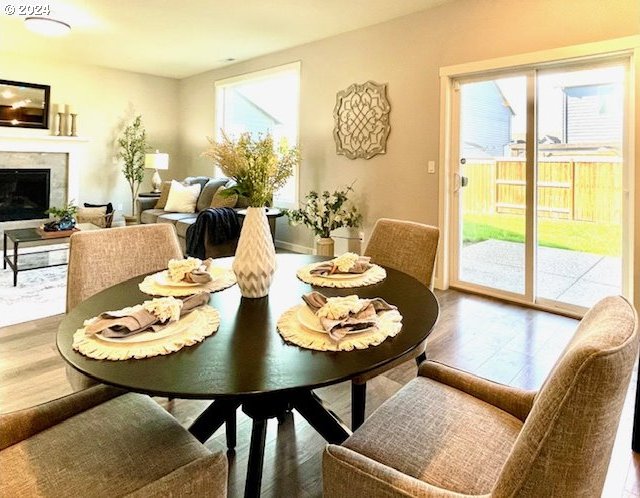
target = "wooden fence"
x: 578, y: 188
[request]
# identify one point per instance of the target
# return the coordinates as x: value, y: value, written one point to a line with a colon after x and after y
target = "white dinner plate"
x: 310, y: 321
x: 162, y: 278
x: 174, y: 328
x: 342, y: 276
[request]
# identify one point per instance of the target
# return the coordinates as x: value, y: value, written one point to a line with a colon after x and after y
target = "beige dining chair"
x: 449, y: 433
x: 103, y: 442
x: 99, y: 259
x: 408, y: 247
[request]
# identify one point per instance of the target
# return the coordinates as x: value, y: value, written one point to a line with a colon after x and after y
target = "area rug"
x: 39, y: 293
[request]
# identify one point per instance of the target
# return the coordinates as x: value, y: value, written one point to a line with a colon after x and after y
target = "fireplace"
x: 24, y: 194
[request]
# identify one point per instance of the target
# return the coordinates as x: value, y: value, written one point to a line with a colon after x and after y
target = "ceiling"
x: 181, y: 38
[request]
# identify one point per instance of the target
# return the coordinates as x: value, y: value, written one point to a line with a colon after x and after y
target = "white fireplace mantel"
x: 74, y: 147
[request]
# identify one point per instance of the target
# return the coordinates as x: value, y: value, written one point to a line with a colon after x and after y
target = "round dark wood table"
x: 247, y: 363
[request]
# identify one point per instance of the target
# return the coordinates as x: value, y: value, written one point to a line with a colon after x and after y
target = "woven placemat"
x: 223, y: 278
x: 373, y: 275
x: 291, y: 330
x: 189, y: 330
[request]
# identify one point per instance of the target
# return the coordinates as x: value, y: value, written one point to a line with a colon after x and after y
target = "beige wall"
x: 103, y: 98
x: 405, y: 53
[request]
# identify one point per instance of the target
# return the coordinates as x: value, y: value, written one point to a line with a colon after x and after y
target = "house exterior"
x: 592, y: 113
x: 486, y: 123
x: 246, y: 115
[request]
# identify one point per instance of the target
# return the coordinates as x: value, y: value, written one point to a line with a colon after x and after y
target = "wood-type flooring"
x: 500, y: 341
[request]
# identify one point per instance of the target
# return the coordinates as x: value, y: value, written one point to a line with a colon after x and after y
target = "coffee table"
x: 25, y: 235
x: 247, y: 364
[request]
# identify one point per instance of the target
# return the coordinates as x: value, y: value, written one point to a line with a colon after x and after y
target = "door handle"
x: 459, y: 181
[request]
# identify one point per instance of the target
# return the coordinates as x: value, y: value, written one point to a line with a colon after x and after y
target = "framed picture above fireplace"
x: 24, y: 105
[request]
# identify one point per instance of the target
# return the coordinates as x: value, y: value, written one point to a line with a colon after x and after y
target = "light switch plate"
x: 431, y: 167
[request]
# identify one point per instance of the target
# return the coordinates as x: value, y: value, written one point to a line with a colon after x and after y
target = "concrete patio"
x: 573, y: 277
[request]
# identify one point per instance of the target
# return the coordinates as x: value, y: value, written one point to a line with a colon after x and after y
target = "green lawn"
x: 596, y: 238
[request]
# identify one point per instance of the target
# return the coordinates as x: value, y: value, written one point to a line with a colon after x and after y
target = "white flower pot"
x: 255, y: 260
x: 325, y: 246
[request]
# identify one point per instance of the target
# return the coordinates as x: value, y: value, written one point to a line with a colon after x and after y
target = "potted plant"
x: 259, y: 168
x: 324, y: 213
x: 133, y: 147
x: 64, y: 218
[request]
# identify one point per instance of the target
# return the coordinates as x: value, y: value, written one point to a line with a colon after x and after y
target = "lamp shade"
x: 157, y: 160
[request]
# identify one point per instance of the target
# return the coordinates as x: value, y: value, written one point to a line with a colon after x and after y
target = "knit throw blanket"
x: 218, y: 225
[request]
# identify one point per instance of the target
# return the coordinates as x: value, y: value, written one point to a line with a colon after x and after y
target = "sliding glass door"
x: 538, y: 184
x: 580, y: 130
x: 491, y: 183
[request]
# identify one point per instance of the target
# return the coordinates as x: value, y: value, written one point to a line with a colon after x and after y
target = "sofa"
x: 148, y: 213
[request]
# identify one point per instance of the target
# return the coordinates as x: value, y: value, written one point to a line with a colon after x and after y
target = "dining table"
x: 247, y: 364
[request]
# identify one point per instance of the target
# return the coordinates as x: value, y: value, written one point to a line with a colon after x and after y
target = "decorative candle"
x: 67, y: 109
x: 71, y: 109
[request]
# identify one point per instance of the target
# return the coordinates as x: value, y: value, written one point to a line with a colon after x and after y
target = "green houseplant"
x: 324, y: 213
x: 259, y: 168
x: 133, y: 147
x: 64, y: 218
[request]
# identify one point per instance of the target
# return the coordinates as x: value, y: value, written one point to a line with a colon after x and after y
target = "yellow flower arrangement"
x: 258, y: 167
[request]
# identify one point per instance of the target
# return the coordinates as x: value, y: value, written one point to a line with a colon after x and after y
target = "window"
x: 261, y: 102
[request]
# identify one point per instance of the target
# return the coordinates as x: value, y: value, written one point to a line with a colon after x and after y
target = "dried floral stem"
x: 259, y: 168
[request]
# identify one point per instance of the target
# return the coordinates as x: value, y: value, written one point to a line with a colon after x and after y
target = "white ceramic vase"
x: 325, y: 246
x: 255, y: 260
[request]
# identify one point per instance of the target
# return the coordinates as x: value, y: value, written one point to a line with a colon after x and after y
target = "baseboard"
x: 293, y: 247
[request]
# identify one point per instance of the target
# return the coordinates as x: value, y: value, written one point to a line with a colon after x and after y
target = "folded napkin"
x: 341, y: 315
x: 355, y: 265
x: 150, y: 316
x: 191, y: 270
x: 201, y: 274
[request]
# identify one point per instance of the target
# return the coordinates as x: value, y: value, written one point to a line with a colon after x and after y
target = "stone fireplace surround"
x: 63, y: 155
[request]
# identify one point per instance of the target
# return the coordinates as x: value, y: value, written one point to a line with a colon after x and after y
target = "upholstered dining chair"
x: 103, y: 442
x: 99, y: 259
x: 451, y: 434
x: 408, y: 247
x: 405, y: 246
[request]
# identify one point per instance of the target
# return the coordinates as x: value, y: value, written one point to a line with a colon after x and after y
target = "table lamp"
x: 156, y: 161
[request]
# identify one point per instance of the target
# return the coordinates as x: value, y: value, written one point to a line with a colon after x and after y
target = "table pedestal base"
x: 260, y: 408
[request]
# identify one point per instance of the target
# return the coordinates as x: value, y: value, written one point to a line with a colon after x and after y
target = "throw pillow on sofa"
x: 208, y: 191
x: 221, y: 199
x: 182, y: 199
x: 164, y: 195
x: 192, y: 180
